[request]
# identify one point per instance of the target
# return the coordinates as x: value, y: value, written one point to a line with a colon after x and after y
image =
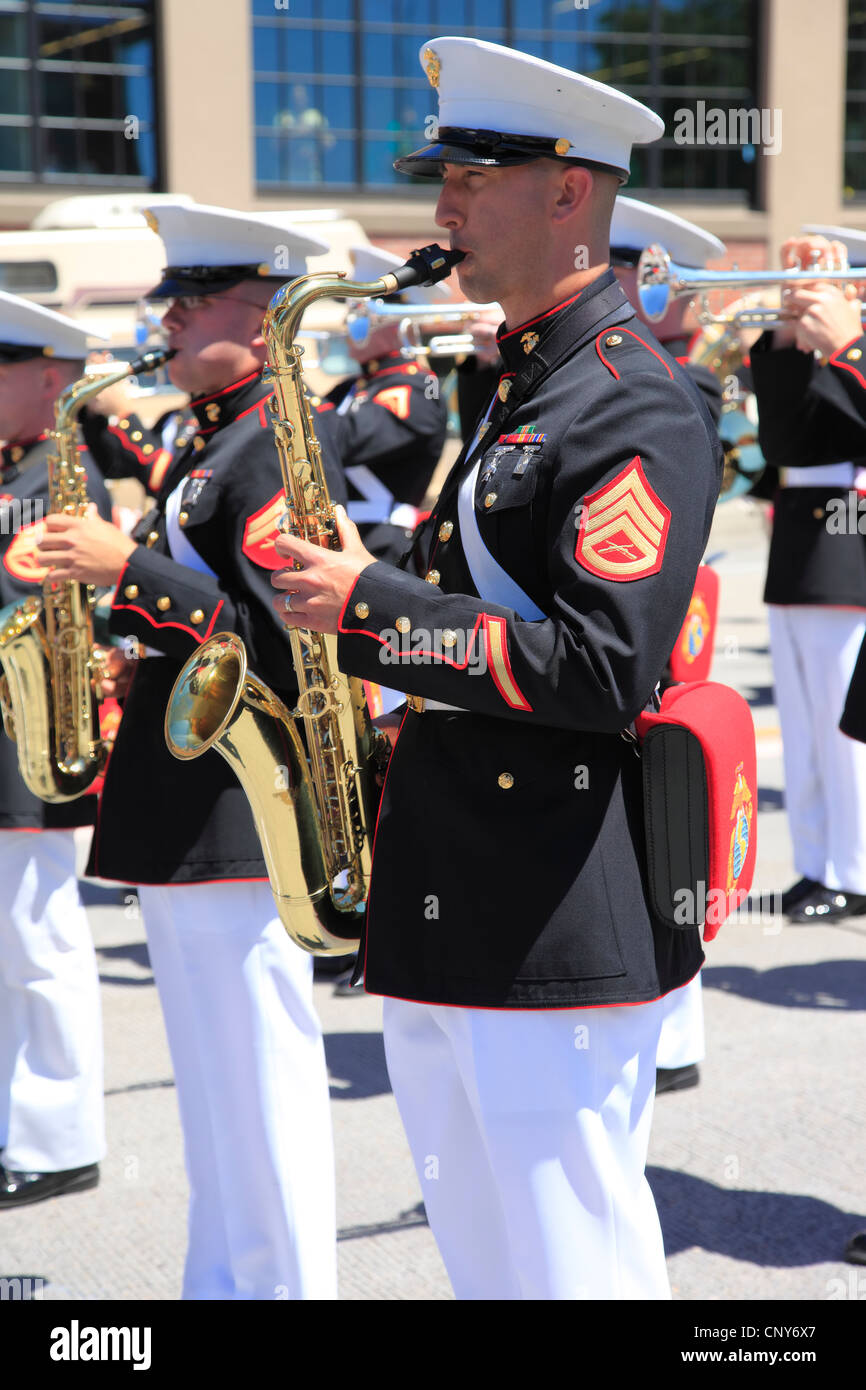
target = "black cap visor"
x: 179, y: 280
x: 19, y: 352
x: 497, y: 149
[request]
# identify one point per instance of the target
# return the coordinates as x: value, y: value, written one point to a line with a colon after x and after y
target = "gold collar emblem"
x: 212, y: 411
x: 529, y: 341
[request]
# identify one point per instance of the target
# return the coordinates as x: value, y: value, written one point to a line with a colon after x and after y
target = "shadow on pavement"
x: 356, y: 1065
x: 785, y: 1230
x: 134, y: 951
x: 415, y: 1216
x: 824, y: 984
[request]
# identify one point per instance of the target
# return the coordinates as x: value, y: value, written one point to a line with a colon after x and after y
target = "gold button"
x: 182, y: 443
x: 502, y: 390
x: 136, y: 435
x: 147, y: 449
x: 817, y: 513
x: 362, y: 610
x: 490, y: 499
x: 124, y: 424
x: 182, y: 518
x: 446, y: 530
x: 198, y: 443
x: 152, y: 538
x: 432, y: 576
x: 403, y: 624
x: 131, y: 591
x: 505, y: 780
x: 854, y: 355
x: 163, y: 603
x: 196, y: 616
x: 16, y: 454
x: 613, y: 340
x: 449, y: 637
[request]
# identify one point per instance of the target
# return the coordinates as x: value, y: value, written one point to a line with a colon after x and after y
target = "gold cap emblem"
x: 151, y: 219
x: 432, y: 66
x: 562, y: 145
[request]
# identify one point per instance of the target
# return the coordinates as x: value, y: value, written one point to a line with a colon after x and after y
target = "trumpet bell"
x: 654, y: 283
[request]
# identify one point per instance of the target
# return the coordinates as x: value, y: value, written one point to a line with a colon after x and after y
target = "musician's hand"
x: 826, y: 319
x: 84, y: 548
x: 320, y: 588
x: 802, y: 253
x: 116, y: 673
x: 118, y: 399
x: 483, y: 330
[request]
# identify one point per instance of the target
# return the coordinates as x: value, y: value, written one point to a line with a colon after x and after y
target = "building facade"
x: 266, y: 104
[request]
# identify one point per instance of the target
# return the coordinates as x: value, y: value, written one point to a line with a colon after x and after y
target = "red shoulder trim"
x: 619, y: 329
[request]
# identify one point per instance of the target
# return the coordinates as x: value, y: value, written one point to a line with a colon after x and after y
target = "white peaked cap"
x: 199, y: 238
x: 636, y: 225
x: 485, y: 87
x: 854, y: 241
x: 27, y: 325
x: 372, y: 262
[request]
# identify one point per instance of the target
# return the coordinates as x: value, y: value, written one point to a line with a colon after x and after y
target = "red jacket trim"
x: 846, y: 366
x: 182, y: 627
x: 546, y: 315
x: 498, y: 664
x: 620, y: 329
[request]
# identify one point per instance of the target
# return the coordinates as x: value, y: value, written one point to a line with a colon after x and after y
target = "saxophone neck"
x: 71, y: 401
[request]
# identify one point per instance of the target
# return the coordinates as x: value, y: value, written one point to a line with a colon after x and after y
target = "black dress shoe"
x: 345, y: 988
x: 827, y: 905
x: 677, y: 1078
x: 855, y: 1250
x: 17, y: 1189
x: 327, y: 967
x: 798, y: 891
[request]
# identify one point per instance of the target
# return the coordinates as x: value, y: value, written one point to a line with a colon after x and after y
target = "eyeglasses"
x: 189, y: 302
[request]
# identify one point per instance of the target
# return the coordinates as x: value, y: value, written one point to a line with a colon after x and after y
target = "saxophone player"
x: 236, y: 993
x: 509, y: 925
x: 52, y: 1128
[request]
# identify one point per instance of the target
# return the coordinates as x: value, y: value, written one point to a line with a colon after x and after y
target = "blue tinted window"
x: 649, y: 49
x: 90, y: 71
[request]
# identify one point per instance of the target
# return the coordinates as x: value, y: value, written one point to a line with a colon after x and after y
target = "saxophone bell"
x: 314, y: 808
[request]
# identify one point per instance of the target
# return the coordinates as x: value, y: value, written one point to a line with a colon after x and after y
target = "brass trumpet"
x: 366, y: 319
x: 659, y: 280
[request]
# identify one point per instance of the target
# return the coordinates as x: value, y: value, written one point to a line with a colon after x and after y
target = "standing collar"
x: 12, y: 455
x: 219, y: 408
x: 516, y: 344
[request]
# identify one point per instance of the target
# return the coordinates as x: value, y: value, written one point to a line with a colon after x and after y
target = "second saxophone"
x: 313, y: 809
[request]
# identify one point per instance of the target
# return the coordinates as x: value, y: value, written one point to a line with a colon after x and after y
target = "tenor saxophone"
x: 49, y: 688
x: 313, y: 808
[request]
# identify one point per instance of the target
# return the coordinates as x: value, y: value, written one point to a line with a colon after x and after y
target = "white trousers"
x: 814, y: 651
x: 529, y: 1132
x: 51, y: 1096
x: 252, y: 1086
x: 681, y: 1042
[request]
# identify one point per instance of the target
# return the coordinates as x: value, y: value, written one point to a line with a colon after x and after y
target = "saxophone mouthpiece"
x: 150, y: 361
x: 425, y: 267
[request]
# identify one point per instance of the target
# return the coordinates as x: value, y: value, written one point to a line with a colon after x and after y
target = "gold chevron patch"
x: 623, y: 528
